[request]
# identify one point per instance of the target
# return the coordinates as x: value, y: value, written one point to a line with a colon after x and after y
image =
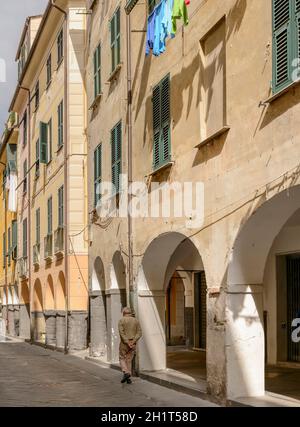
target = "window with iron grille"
x: 286, y: 42
x: 116, y: 155
x: 97, y: 173
x: 61, y: 207
x: 115, y: 39
x: 97, y: 71
x: 161, y: 123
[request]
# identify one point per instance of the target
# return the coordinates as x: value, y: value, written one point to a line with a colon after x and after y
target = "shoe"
x: 129, y: 381
x: 125, y: 378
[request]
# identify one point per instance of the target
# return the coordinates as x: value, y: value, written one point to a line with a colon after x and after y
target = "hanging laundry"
x: 159, y: 45
x: 179, y: 11
x: 12, y: 196
x: 150, y: 32
x: 187, y: 2
x: 167, y: 19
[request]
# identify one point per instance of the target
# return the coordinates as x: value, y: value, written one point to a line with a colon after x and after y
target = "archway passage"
x: 263, y: 302
x: 172, y: 302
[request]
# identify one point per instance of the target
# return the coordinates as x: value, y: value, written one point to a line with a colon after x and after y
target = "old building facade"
x: 226, y: 286
x: 167, y: 181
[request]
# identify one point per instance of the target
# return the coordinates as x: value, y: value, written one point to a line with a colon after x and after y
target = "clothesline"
x: 162, y: 23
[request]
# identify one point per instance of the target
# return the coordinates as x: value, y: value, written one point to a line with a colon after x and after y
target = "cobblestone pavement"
x: 34, y: 376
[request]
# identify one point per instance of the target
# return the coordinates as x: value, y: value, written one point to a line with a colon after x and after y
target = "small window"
x: 116, y: 154
x: 97, y: 71
x: 115, y: 40
x: 97, y: 173
x: 60, y: 47
x: 60, y: 113
x: 49, y: 70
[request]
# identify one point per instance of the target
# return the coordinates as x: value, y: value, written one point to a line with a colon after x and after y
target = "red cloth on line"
x: 187, y: 2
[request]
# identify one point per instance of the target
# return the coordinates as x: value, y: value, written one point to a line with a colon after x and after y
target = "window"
x: 116, y: 151
x: 25, y: 128
x: 49, y: 154
x: 37, y: 95
x: 60, y: 47
x: 25, y: 238
x: 213, y: 116
x: 97, y: 71
x: 25, y: 177
x: 49, y: 216
x: 14, y: 230
x: 161, y: 123
x: 97, y: 173
x: 4, y: 250
x: 38, y: 226
x: 37, y: 158
x: 61, y: 207
x: 115, y: 39
x: 49, y: 70
x: 8, y: 246
x: 60, y: 113
x: 286, y: 42
x: 152, y: 4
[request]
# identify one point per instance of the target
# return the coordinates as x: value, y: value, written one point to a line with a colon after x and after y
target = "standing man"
x: 130, y: 332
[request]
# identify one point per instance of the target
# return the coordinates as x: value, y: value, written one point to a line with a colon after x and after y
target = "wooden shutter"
x: 4, y: 250
x: 115, y: 27
x: 297, y: 18
x: 50, y: 216
x: 60, y: 124
x: 14, y: 227
x: 43, y: 155
x: 61, y: 206
x: 161, y: 123
x: 25, y: 238
x: 282, y: 46
x: 116, y: 151
x: 97, y: 71
x: 97, y: 172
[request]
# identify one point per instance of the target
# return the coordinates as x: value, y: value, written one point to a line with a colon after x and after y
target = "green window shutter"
x: 43, y: 143
x: 49, y: 214
x: 49, y: 153
x: 97, y: 71
x: 60, y: 113
x: 161, y: 123
x: 38, y: 226
x: 297, y: 26
x: 115, y: 28
x: 8, y: 246
x: 25, y: 238
x: 14, y: 227
x: 97, y: 173
x: 61, y: 206
x: 4, y: 250
x: 282, y: 43
x: 49, y: 69
x: 116, y: 154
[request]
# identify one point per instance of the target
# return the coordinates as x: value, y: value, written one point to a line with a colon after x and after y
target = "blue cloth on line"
x: 158, y: 44
x: 150, y: 32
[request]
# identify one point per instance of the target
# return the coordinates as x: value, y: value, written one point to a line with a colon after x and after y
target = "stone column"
x: 24, y: 321
x: 11, y: 321
x: 77, y: 330
x: 17, y: 319
x: 245, y: 344
x: 50, y: 318
x: 116, y: 300
x: 98, y: 344
x: 39, y: 326
x: 4, y: 319
x: 152, y: 346
x: 60, y: 329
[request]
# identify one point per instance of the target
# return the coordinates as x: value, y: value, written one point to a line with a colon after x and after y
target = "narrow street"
x: 33, y: 376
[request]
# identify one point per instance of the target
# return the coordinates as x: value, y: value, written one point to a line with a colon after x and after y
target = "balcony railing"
x: 48, y: 247
x: 59, y: 241
x: 36, y: 254
x: 23, y: 267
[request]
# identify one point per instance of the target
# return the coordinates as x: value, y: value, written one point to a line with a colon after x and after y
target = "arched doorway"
x: 169, y: 289
x: 50, y: 313
x: 60, y: 305
x: 263, y: 282
x: 38, y: 319
x: 98, y: 344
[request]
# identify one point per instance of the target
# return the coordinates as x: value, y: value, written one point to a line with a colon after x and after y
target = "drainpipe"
x: 66, y: 154
x: 129, y: 182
